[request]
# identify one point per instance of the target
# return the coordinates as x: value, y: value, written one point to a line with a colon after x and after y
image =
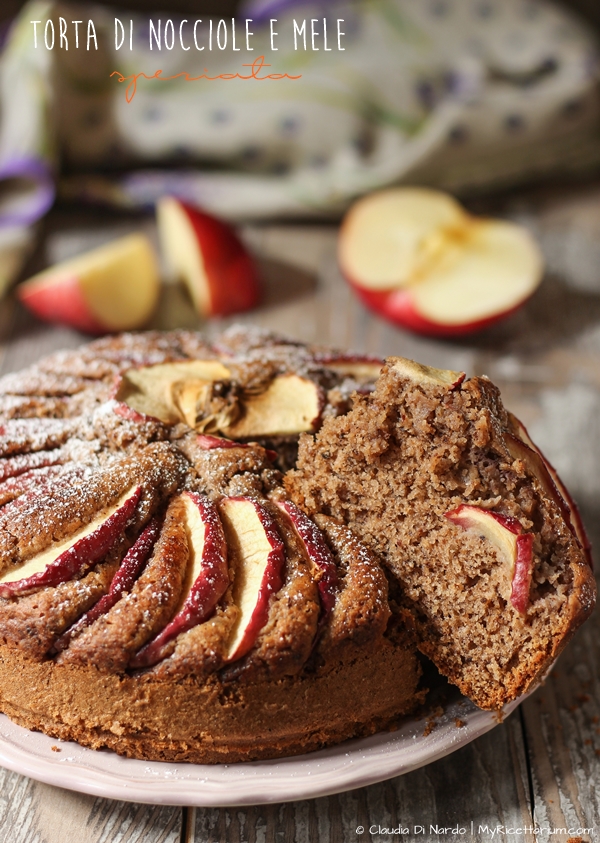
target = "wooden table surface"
x: 541, y: 767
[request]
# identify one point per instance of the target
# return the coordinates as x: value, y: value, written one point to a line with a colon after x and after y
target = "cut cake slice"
x: 431, y: 473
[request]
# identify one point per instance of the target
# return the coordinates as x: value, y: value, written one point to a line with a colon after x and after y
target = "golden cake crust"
x: 370, y: 568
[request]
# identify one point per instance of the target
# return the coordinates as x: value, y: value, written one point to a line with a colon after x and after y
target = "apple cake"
x: 217, y: 552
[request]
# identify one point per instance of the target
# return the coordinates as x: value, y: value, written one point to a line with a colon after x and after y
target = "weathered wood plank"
x: 562, y: 727
x: 480, y: 787
x: 31, y: 812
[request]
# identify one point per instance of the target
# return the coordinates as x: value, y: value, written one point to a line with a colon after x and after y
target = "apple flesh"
x: 318, y: 553
x: 416, y: 257
x: 208, y: 256
x: 207, y: 577
x: 149, y: 390
x: 63, y: 561
x: 428, y: 375
x: 122, y: 582
x: 189, y: 397
x: 399, y: 308
x: 507, y: 536
x: 112, y: 288
x: 522, y: 446
x: 289, y: 405
x: 260, y: 560
x: 362, y: 368
x: 171, y: 392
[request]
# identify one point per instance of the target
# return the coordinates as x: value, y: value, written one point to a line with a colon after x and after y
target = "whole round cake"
x: 240, y: 550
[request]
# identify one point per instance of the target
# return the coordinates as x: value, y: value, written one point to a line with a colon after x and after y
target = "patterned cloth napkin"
x: 460, y: 94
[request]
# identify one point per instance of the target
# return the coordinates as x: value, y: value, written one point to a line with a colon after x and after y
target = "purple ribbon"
x: 26, y: 203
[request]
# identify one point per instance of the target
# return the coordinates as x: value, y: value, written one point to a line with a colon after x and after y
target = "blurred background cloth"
x: 466, y: 95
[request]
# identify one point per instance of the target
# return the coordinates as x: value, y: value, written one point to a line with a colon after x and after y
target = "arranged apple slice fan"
x: 203, y: 565
x: 222, y: 559
x: 232, y: 528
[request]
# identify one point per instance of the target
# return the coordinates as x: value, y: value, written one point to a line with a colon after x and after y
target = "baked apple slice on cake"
x: 259, y: 555
x: 205, y: 395
x: 113, y: 639
x: 122, y: 582
x: 207, y: 577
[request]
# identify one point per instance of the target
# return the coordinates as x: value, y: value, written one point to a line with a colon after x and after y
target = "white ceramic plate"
x: 350, y: 765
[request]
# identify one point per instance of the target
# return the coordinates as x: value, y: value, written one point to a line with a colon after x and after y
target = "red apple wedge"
x: 63, y: 561
x: 122, y: 582
x: 207, y: 577
x: 208, y: 256
x: 318, y: 553
x: 112, y: 288
x: 418, y: 259
x: 507, y: 536
x: 523, y: 447
x: 260, y: 559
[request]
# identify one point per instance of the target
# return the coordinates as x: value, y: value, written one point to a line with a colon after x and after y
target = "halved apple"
x: 507, y: 536
x: 122, y: 582
x: 259, y: 556
x: 207, y: 577
x: 151, y: 390
x: 208, y: 256
x: 289, y: 405
x: 112, y: 288
x: 318, y: 553
x: 64, y: 560
x: 416, y: 257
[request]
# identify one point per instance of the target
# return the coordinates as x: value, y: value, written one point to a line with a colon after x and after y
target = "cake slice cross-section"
x: 490, y: 568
